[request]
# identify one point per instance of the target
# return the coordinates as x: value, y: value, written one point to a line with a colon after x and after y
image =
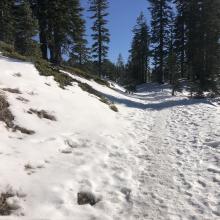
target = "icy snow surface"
x: 157, y: 158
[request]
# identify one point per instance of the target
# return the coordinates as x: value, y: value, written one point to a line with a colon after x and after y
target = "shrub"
x: 83, y: 74
x: 9, y: 51
x: 47, y: 69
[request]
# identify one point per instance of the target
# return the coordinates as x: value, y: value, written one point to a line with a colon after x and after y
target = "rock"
x: 127, y: 193
x: 84, y: 198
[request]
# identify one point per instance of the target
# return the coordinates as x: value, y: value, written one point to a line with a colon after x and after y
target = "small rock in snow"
x: 84, y: 198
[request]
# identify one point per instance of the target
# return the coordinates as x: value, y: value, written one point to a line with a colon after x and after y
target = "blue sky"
x: 122, y: 18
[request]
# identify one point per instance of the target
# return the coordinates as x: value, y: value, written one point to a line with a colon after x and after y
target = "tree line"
x: 181, y: 42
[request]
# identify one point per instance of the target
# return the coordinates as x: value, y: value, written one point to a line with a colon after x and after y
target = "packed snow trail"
x: 157, y: 158
x: 179, y: 159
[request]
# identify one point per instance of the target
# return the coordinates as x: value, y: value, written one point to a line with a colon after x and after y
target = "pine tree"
x: 58, y: 24
x: 62, y: 29
x: 211, y: 54
x: 160, y: 11
x: 203, y: 34
x: 171, y: 62
x: 120, y: 68
x: 25, y: 27
x: 180, y: 36
x: 77, y: 29
x: 40, y: 10
x: 6, y: 21
x: 100, y: 35
x: 139, y: 52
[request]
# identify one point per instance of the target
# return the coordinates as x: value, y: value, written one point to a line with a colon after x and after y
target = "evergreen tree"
x: 211, y: 54
x: 40, y: 10
x: 62, y: 29
x: 109, y: 69
x: 58, y: 24
x: 139, y: 53
x: 203, y: 34
x: 25, y: 27
x: 77, y: 29
x: 120, y: 68
x: 100, y: 34
x: 180, y: 36
x: 6, y: 21
x: 160, y: 11
x: 171, y: 61
x: 194, y: 41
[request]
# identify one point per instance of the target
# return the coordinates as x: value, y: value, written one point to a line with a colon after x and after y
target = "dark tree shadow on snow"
x: 157, y: 106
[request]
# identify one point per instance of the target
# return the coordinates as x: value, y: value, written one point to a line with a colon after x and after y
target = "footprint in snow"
x: 31, y: 169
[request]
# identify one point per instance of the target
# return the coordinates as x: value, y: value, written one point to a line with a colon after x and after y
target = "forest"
x: 181, y: 44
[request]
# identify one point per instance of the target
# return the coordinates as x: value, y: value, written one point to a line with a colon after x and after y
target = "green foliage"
x: 85, y: 75
x: 102, y: 98
x: 25, y: 28
x: 102, y: 82
x: 6, y: 21
x: 47, y: 69
x: 100, y: 34
x: 203, y: 47
x: 130, y: 87
x: 139, y: 52
x: 109, y: 70
x: 180, y: 37
x: 79, y: 51
x: 120, y: 69
x: 160, y: 11
x: 76, y: 71
x: 9, y: 51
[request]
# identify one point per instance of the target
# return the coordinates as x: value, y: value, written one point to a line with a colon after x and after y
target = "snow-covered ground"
x: 157, y: 158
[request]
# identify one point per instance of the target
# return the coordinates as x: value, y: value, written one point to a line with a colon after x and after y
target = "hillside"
x: 156, y: 158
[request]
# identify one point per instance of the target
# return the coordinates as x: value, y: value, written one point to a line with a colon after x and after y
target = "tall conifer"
x: 101, y: 36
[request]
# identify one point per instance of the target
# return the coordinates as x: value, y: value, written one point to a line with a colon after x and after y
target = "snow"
x: 157, y: 158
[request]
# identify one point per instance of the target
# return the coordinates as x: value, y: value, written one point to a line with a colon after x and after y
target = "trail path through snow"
x: 158, y: 158
x: 178, y: 159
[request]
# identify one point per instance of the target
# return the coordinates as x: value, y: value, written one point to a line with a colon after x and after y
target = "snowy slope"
x: 157, y: 158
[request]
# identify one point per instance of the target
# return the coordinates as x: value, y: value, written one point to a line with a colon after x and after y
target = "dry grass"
x: 102, y: 98
x: 5, y: 114
x: 23, y: 130
x: 5, y: 209
x: 7, y: 117
x: 22, y: 99
x: 113, y: 108
x: 42, y: 114
x: 16, y: 91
